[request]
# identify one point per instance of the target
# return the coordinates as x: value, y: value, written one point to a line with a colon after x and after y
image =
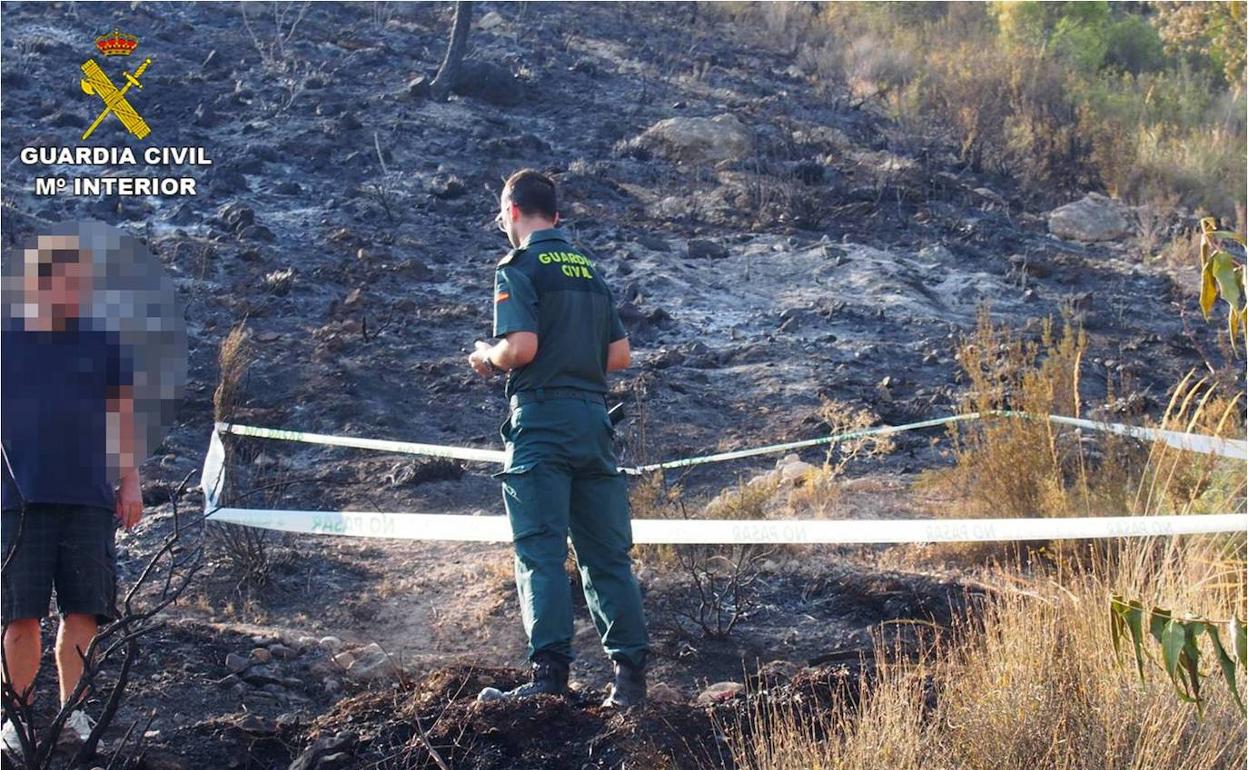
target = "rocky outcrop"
x: 1093, y: 218
x: 698, y: 140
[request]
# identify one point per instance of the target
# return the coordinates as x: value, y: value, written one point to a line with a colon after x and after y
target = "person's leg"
x: 22, y: 651
x: 602, y: 536
x: 86, y: 587
x: 72, y: 640
x: 536, y: 500
x: 28, y: 549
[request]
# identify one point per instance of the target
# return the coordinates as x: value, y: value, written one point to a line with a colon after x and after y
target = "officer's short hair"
x: 533, y: 192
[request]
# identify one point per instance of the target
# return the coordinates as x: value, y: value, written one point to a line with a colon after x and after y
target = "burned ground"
x: 348, y: 221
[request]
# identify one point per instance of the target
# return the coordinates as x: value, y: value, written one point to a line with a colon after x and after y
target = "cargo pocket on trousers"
x: 518, y: 497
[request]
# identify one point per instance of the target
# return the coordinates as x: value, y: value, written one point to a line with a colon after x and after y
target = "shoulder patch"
x: 511, y: 255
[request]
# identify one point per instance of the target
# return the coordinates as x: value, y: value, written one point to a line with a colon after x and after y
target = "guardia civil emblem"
x: 96, y: 82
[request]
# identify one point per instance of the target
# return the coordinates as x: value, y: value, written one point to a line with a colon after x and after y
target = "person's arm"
x: 515, y: 324
x: 515, y: 350
x: 619, y: 355
x: 121, y: 437
x: 120, y: 420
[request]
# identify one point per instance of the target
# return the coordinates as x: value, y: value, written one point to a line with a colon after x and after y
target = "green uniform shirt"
x: 550, y: 288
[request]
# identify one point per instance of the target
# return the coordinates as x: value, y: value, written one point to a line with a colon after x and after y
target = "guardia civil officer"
x: 559, y: 334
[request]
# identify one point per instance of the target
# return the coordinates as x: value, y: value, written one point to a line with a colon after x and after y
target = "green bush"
x: 1133, y: 45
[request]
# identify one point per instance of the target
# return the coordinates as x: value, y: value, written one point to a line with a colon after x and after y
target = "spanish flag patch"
x: 501, y: 296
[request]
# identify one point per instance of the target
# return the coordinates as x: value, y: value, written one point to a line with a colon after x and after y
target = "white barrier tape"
x: 1193, y: 442
x: 402, y: 447
x: 497, y: 529
x: 212, y: 478
x: 804, y: 444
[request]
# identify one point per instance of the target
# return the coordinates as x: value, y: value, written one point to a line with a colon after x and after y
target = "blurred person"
x: 68, y: 416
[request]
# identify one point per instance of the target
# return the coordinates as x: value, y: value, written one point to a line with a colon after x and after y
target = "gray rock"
x: 1093, y: 218
x: 254, y: 724
x: 282, y: 652
x: 256, y: 233
x: 654, y: 242
x: 324, y: 747
x: 371, y: 663
x: 489, y: 82
x: 491, y: 21
x: 703, y: 249
x: 339, y: 761
x: 237, y: 663
x: 330, y: 643
x: 447, y: 186
x: 261, y: 676
x: 698, y: 140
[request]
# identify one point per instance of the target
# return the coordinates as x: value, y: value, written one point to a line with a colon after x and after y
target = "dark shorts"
x: 71, y: 547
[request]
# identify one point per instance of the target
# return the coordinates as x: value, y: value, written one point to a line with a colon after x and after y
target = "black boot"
x: 550, y: 677
x: 629, y: 688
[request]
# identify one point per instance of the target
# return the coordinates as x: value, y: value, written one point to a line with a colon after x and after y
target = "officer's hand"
x: 478, y: 362
x: 129, y: 501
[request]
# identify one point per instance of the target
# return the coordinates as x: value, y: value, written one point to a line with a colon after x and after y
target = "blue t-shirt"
x: 54, y: 387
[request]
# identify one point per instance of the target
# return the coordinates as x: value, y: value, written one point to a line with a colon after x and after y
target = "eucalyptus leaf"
x: 1237, y: 640
x: 1173, y: 636
x: 1226, y: 664
x: 1208, y: 289
x: 1223, y: 267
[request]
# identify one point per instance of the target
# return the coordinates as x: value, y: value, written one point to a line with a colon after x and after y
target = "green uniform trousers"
x: 560, y: 477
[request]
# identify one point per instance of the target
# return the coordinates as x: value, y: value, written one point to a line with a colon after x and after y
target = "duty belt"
x: 546, y: 394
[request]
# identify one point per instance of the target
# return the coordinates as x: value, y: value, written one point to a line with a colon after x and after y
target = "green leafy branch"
x: 1180, y: 652
x: 1221, y: 276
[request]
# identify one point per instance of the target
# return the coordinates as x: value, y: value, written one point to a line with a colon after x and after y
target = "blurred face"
x: 58, y: 277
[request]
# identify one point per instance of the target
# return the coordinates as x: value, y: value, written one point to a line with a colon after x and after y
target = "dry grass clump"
x: 1017, y: 467
x: 1009, y: 467
x: 1031, y: 680
x: 817, y: 492
x: 233, y: 359
x: 1033, y: 683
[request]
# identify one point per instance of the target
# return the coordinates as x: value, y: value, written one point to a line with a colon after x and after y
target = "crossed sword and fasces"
x: 96, y: 82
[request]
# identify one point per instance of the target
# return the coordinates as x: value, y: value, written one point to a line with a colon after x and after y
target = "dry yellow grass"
x: 818, y: 493
x: 1032, y: 681
x: 234, y: 358
x: 1010, y: 467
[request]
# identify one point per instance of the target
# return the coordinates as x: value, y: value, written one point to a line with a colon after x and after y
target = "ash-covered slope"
x: 347, y: 220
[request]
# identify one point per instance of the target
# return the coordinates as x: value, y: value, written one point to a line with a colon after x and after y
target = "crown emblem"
x: 116, y: 43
